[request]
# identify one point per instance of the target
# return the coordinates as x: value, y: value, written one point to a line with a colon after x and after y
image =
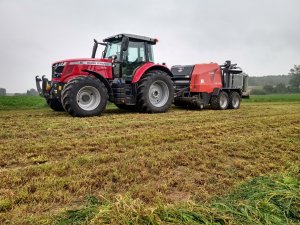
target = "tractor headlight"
x: 57, y: 69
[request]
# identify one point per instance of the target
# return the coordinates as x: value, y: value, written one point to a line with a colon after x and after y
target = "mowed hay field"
x: 51, y: 162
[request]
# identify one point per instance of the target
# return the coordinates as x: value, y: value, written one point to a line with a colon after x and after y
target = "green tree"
x: 281, y: 88
x: 295, y: 73
x: 268, y: 88
x: 32, y: 92
x: 2, y: 91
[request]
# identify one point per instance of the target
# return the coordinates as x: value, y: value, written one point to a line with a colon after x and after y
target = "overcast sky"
x: 262, y: 36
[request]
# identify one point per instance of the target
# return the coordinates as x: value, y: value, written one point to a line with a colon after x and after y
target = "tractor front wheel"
x: 84, y: 96
x: 220, y: 102
x: 155, y: 92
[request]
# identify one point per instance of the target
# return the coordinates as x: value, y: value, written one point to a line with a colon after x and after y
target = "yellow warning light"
x: 59, y: 88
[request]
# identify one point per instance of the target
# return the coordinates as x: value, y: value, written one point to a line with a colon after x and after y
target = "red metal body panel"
x: 141, y: 70
x: 205, y: 78
x: 74, y: 67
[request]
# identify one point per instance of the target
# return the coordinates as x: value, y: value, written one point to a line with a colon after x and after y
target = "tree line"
x: 277, y: 84
x: 30, y: 92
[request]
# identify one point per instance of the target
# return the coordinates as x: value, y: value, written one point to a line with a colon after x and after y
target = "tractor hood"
x: 64, y: 70
x: 84, y: 61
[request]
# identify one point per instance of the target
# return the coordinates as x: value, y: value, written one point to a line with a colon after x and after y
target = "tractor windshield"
x: 113, y: 48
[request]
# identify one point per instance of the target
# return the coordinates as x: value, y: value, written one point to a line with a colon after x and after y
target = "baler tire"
x: 55, y: 104
x: 216, y: 103
x: 234, y: 100
x: 131, y: 108
x: 156, y: 81
x: 75, y: 91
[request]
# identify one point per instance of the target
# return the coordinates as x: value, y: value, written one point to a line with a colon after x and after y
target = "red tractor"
x: 127, y: 76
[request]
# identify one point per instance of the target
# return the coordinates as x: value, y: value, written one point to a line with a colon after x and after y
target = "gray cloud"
x: 262, y: 36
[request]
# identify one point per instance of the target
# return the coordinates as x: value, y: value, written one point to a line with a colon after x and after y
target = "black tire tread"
x: 67, y: 94
x: 230, y: 98
x: 215, y: 101
x: 142, y: 104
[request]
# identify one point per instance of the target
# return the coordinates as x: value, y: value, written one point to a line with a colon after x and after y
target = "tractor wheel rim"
x: 88, y: 98
x: 159, y: 93
x: 223, y: 101
x: 235, y: 101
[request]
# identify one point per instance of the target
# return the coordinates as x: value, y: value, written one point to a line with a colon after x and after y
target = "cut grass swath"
x: 262, y: 200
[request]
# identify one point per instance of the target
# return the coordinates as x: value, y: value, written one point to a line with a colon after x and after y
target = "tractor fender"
x: 140, y: 71
x: 101, y: 78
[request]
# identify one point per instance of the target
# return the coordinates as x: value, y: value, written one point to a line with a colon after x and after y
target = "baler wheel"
x: 220, y: 102
x: 155, y: 92
x: 55, y: 105
x: 84, y: 96
x: 234, y: 100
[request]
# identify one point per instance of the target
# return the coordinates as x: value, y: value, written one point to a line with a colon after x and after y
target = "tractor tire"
x: 155, y: 92
x: 55, y: 104
x: 220, y: 102
x: 84, y: 96
x: 131, y: 108
x: 234, y: 100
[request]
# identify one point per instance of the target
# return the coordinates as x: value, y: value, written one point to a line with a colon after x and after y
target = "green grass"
x: 262, y: 200
x: 274, y: 98
x: 21, y: 102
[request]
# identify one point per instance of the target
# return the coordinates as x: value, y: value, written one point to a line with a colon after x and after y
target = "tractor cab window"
x: 134, y: 57
x: 150, y: 53
x: 113, y: 48
x: 136, y: 52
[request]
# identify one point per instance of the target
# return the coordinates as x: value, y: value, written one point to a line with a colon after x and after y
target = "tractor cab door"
x: 133, y: 57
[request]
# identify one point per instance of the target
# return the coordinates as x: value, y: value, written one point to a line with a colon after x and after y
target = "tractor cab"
x: 128, y: 52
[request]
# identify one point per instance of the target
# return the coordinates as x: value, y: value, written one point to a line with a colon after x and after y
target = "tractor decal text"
x: 93, y: 63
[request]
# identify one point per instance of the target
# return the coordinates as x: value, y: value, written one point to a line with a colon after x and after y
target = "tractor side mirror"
x: 125, y: 43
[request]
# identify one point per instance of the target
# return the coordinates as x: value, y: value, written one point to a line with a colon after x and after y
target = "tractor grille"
x: 57, y: 69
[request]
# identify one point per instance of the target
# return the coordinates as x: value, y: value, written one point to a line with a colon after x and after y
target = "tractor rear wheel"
x: 234, y: 100
x: 155, y: 92
x: 55, y: 104
x: 220, y: 102
x: 84, y: 96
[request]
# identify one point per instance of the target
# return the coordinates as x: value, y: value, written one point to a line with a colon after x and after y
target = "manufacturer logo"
x: 59, y: 64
